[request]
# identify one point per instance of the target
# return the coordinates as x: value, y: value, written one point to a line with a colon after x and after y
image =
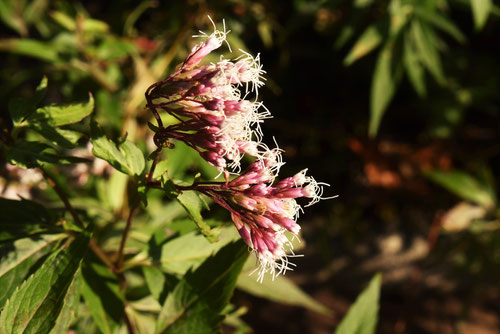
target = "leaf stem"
x: 133, y: 209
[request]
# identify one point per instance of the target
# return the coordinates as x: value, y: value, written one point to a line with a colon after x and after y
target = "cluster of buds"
x: 213, y: 117
x: 263, y: 210
x: 216, y: 121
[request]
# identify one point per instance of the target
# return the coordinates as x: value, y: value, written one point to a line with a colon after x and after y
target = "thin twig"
x: 133, y: 209
x: 93, y: 245
x: 52, y: 182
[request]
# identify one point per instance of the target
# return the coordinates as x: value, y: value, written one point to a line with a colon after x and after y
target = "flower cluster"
x: 215, y: 120
x: 213, y: 117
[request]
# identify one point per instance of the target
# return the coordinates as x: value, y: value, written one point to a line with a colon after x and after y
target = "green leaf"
x: 413, y: 66
x: 159, y: 283
x: 384, y: 82
x: 101, y: 294
x: 127, y: 157
x: 426, y: 46
x: 366, y: 43
x: 27, y: 154
x: 440, y: 22
x: 464, y: 186
x: 362, y: 316
x: 480, y: 11
x: 63, y: 115
x: 18, y: 258
x: 196, y: 303
x: 9, y: 14
x: 31, y: 48
x: 180, y: 254
x: 20, y: 109
x: 280, y: 289
x: 70, y: 305
x: 193, y: 205
x: 23, y: 218
x: 58, y: 136
x: 36, y: 305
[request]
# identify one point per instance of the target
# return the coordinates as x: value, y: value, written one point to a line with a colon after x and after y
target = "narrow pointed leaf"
x: 426, y: 46
x: 413, y: 66
x: 280, y: 289
x: 440, y: 22
x: 385, y: 79
x: 367, y: 42
x: 480, y: 11
x: 363, y: 314
x: 463, y: 185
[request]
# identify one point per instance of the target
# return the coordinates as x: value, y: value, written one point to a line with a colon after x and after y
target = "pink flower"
x: 263, y: 212
x: 212, y: 117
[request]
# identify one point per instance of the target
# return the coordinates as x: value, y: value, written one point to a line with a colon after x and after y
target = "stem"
x: 133, y: 209
x: 92, y: 244
x: 61, y: 195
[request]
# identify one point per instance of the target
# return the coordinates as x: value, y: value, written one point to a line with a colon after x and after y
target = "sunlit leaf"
x: 480, y: 11
x: 463, y: 185
x: 193, y: 205
x: 18, y: 258
x: 281, y: 289
x: 63, y: 115
x: 196, y: 303
x: 101, y: 294
x: 126, y: 157
x: 367, y: 42
x: 190, y: 250
x: 363, y: 315
x: 31, y: 48
x: 36, y: 305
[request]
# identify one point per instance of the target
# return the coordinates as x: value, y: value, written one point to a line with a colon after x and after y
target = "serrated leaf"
x: 36, y: 305
x: 426, y: 46
x: 366, y: 43
x: 385, y: 79
x: 480, y: 11
x: 180, y: 254
x: 193, y: 205
x: 463, y: 185
x: 197, y: 301
x: 440, y: 22
x: 63, y: 115
x: 101, y: 294
x: 280, y: 289
x: 70, y: 305
x: 363, y: 314
x: 31, y: 48
x: 127, y: 157
x: 18, y: 258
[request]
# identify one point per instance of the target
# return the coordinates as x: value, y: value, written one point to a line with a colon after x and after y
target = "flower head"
x: 263, y: 211
x: 214, y: 118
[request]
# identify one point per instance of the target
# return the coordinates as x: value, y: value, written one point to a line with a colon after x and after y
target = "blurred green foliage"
x: 409, y: 70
